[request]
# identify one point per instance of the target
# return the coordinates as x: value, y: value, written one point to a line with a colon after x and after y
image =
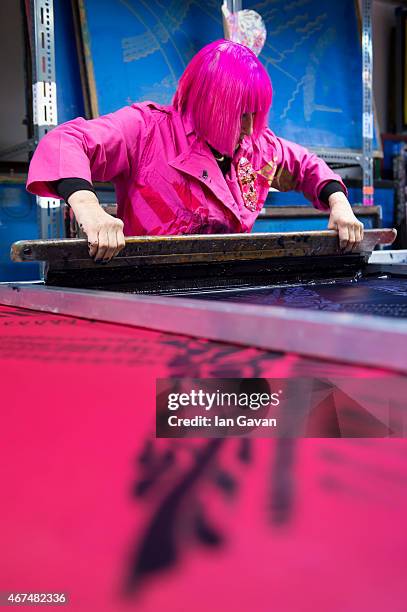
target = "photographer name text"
x: 217, y: 421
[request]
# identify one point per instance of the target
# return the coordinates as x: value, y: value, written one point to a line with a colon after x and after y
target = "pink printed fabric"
x: 95, y: 505
x: 167, y: 180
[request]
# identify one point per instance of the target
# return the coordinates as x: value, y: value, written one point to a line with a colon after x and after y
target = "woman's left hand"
x: 342, y: 219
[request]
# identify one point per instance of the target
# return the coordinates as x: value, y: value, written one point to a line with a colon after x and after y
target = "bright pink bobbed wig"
x: 223, y: 81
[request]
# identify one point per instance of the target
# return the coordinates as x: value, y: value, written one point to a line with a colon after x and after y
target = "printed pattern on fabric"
x: 247, y: 181
x: 269, y: 170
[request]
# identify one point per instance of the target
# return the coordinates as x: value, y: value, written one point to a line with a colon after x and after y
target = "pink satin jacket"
x: 167, y: 180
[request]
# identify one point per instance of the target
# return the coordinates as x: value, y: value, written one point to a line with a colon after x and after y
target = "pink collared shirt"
x: 167, y: 180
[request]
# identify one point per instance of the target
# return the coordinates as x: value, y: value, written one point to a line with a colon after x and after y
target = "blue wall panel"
x: 383, y: 198
x: 69, y: 88
x: 18, y: 221
x: 140, y: 48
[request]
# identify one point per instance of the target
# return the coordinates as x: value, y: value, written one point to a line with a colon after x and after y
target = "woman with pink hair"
x: 202, y: 165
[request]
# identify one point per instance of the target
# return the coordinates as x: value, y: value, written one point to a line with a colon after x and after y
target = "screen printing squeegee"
x: 155, y: 263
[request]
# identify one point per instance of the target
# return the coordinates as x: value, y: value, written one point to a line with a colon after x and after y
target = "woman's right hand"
x: 104, y: 232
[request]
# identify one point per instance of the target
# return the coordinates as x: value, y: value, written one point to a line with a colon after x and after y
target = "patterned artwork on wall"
x: 137, y: 50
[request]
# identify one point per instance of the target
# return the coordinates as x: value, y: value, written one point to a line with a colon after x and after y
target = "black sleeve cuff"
x: 328, y: 189
x: 67, y: 186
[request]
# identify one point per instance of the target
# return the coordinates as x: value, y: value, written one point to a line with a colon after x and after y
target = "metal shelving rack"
x: 367, y: 117
x: 45, y: 114
x: 44, y: 96
x: 364, y: 156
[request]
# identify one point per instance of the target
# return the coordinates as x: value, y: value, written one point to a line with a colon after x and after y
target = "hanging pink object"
x: 245, y: 27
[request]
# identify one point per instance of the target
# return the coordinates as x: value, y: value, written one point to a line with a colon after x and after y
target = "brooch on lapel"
x: 247, y: 181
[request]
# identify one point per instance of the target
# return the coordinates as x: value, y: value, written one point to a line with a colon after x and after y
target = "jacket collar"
x: 187, y: 123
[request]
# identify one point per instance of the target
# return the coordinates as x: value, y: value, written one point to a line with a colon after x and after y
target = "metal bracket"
x: 340, y: 157
x: 45, y: 104
x: 49, y: 217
